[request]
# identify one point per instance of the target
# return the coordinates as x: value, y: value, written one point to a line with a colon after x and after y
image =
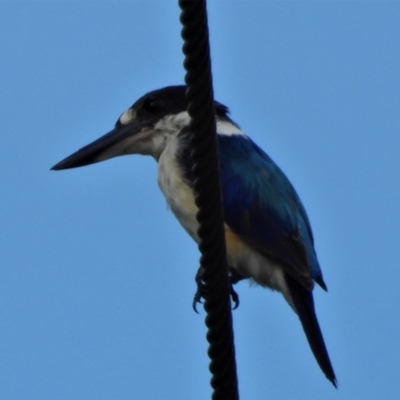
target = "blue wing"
x: 262, y: 207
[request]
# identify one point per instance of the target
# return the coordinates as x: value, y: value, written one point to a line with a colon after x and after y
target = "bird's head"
x: 145, y: 128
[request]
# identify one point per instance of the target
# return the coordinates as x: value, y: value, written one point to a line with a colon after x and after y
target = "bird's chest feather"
x: 178, y: 194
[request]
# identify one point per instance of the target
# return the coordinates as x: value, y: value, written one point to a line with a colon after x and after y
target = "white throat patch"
x: 172, y: 123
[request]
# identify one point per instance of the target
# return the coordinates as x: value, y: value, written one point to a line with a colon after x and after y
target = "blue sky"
x: 97, y: 277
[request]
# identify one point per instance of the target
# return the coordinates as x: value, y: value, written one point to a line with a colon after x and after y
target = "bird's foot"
x: 202, y: 291
x: 234, y: 297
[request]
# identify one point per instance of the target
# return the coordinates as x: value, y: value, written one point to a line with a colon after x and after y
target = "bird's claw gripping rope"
x: 201, y: 292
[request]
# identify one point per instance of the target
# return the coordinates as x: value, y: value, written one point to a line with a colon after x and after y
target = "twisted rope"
x: 216, y: 287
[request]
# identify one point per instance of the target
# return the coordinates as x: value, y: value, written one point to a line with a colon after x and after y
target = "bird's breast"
x: 177, y: 192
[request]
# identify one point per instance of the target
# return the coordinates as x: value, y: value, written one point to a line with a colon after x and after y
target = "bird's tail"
x: 304, y: 304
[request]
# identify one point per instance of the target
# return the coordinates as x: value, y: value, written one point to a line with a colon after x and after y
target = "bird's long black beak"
x: 121, y: 140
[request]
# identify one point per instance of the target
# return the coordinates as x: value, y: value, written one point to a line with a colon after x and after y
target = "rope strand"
x: 207, y: 189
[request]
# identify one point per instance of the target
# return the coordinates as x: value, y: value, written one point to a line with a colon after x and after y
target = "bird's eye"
x: 152, y: 106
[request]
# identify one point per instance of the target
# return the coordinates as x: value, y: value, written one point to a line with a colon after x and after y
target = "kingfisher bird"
x: 269, y: 239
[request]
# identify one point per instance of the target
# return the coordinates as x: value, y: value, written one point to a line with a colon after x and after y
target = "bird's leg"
x: 234, y: 277
x: 201, y: 289
x: 201, y: 292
